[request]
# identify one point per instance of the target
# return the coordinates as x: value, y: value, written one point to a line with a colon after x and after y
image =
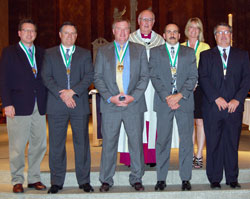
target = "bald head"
x: 146, y: 21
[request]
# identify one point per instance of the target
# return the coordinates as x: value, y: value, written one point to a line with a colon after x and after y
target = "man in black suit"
x: 24, y: 102
x: 67, y: 73
x: 224, y: 76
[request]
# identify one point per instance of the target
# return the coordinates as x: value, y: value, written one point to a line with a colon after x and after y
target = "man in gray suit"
x: 174, y: 75
x: 67, y: 73
x: 121, y: 77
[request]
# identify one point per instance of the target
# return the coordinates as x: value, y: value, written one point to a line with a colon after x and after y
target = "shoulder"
x: 136, y: 45
x: 184, y: 43
x: 82, y: 50
x: 40, y: 50
x: 52, y: 50
x: 186, y: 49
x: 204, y: 46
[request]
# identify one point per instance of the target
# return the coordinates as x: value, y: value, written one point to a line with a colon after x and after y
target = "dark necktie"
x: 67, y: 54
x: 224, y: 54
x: 172, y: 52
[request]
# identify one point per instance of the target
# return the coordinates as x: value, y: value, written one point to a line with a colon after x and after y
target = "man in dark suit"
x: 24, y: 102
x: 121, y: 77
x: 224, y: 77
x: 174, y: 75
x: 67, y: 73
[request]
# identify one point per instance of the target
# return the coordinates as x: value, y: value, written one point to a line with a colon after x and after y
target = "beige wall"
x: 4, y: 32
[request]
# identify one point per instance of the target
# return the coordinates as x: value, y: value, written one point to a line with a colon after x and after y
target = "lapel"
x: 217, y: 59
x: 26, y: 65
x: 181, y: 62
x: 165, y: 62
x: 59, y: 60
x: 230, y: 61
x: 133, y: 63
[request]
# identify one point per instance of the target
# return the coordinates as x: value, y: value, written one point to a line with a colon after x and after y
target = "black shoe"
x: 86, y: 187
x: 215, y: 185
x: 138, y: 186
x: 105, y: 187
x: 186, y: 185
x: 160, y: 185
x: 55, y: 189
x: 234, y: 185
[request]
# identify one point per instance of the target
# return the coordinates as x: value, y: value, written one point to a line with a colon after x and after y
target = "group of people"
x: 146, y: 82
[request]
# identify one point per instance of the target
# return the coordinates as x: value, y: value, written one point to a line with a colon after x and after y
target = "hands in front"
x: 115, y: 100
x: 222, y: 104
x: 173, y: 101
x: 67, y: 97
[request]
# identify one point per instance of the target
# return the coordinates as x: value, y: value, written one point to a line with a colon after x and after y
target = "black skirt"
x: 197, y: 103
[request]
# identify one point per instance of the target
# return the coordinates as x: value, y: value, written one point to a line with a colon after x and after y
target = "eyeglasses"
x: 27, y: 30
x: 225, y: 32
x: 147, y: 19
x: 69, y: 33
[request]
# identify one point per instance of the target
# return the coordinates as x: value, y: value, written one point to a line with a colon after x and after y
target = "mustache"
x: 172, y: 38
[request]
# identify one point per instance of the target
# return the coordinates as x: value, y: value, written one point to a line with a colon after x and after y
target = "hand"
x: 67, y: 97
x: 66, y: 94
x: 9, y: 111
x: 128, y: 99
x: 174, y: 99
x: 115, y: 100
x: 175, y: 107
x: 221, y: 103
x: 232, y: 105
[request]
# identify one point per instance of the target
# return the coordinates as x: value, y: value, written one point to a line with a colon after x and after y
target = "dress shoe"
x: 234, y: 185
x: 37, y: 186
x: 160, y: 185
x: 215, y: 185
x: 18, y: 188
x: 105, y: 187
x: 138, y: 186
x: 86, y: 187
x: 55, y: 188
x: 186, y: 185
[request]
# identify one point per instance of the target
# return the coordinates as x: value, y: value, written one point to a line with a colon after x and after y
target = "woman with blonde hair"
x: 195, y: 40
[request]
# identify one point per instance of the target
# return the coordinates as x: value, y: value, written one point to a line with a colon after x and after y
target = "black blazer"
x: 19, y: 87
x: 236, y: 83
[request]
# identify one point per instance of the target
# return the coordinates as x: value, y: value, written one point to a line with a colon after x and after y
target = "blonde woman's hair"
x: 199, y: 25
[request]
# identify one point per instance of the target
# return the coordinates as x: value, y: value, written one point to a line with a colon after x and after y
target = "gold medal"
x: 173, y: 70
x: 120, y: 68
x: 34, y: 70
x: 68, y: 71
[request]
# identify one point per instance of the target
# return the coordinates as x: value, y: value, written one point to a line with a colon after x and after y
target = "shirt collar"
x: 175, y: 46
x: 221, y: 49
x: 70, y: 48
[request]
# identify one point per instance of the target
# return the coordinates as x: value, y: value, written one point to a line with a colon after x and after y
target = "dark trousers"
x: 222, y: 130
x: 58, y: 125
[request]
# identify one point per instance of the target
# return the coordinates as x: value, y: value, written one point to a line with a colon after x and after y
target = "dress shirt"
x: 175, y: 50
x: 64, y: 49
x: 221, y: 51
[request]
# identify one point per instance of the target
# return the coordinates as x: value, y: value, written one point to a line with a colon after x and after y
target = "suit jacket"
x: 105, y: 77
x: 161, y: 77
x: 211, y: 78
x: 54, y: 75
x: 19, y: 87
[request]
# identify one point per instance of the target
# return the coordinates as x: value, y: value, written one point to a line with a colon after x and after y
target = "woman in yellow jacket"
x: 195, y: 40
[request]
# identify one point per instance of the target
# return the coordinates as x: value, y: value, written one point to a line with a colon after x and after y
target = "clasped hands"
x: 173, y: 101
x: 67, y: 97
x: 115, y: 100
x: 231, y: 106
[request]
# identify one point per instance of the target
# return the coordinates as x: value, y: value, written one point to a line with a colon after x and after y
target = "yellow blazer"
x: 202, y: 46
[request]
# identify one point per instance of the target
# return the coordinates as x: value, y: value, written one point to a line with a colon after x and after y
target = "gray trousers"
x: 58, y: 125
x: 111, y: 124
x: 22, y: 130
x: 163, y: 144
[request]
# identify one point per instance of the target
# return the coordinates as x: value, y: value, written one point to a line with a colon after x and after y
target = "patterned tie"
x: 172, y: 52
x: 224, y: 54
x: 30, y: 52
x: 67, y: 54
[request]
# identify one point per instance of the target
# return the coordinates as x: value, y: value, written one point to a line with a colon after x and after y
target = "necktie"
x: 30, y: 52
x: 67, y: 54
x: 224, y: 55
x: 172, y: 52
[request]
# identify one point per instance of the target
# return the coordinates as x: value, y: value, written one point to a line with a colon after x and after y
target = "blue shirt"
x: 126, y: 69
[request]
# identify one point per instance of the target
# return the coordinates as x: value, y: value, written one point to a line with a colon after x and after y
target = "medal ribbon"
x: 120, y: 56
x: 170, y: 58
x: 196, y: 45
x: 31, y: 59
x: 224, y: 64
x: 67, y: 62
